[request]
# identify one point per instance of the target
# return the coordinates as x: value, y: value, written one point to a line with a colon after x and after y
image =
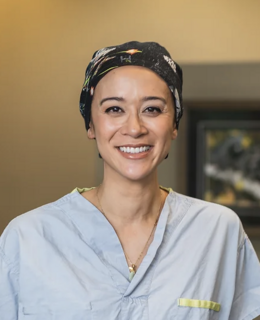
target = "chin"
x: 136, y: 175
x: 136, y: 170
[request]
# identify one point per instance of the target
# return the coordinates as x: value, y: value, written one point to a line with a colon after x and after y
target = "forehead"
x: 127, y: 78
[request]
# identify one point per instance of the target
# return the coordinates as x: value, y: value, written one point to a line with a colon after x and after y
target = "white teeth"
x: 134, y: 150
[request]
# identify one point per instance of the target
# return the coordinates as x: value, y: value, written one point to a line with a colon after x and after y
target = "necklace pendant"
x: 132, y: 272
x: 131, y: 275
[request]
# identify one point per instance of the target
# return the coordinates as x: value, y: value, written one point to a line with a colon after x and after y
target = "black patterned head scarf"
x: 145, y: 54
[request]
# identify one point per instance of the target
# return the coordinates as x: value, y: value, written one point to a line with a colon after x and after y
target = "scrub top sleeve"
x: 8, y: 289
x: 246, y: 302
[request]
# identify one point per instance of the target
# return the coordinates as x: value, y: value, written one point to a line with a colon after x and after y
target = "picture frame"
x: 224, y: 160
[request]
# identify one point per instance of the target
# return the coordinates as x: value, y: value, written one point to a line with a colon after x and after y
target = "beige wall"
x: 45, y: 47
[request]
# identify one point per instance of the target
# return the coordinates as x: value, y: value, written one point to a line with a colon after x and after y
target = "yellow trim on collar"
x: 199, y: 304
x: 169, y: 190
x: 80, y: 190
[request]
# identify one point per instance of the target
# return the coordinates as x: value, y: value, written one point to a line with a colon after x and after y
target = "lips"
x: 135, y: 151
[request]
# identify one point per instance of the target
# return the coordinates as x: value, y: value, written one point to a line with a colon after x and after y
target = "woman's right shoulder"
x: 36, y: 221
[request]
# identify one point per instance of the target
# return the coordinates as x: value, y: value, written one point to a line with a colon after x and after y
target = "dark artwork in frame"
x: 224, y: 159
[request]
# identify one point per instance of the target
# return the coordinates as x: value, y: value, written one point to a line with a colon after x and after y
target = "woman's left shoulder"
x: 211, y: 214
x: 198, y: 206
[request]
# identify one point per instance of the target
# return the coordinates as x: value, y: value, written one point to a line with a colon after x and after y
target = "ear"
x: 174, y: 133
x: 91, y: 131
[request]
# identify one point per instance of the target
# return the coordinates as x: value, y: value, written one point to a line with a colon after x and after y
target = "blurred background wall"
x: 45, y: 48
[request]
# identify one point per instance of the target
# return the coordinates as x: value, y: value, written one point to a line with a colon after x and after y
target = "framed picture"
x: 226, y: 163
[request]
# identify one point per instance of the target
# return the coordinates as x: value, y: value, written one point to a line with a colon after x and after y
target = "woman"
x: 129, y: 249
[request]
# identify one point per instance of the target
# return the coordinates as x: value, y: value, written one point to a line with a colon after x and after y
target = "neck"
x: 125, y: 201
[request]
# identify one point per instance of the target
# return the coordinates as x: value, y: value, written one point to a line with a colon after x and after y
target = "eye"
x: 153, y: 110
x: 114, y: 110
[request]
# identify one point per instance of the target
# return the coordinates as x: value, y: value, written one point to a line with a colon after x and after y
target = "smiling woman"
x: 132, y: 118
x: 129, y: 248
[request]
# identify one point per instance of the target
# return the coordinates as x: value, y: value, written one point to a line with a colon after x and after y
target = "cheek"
x: 164, y: 126
x: 167, y: 133
x: 105, y: 127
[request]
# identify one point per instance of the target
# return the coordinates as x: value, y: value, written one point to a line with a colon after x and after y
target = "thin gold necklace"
x: 132, y: 267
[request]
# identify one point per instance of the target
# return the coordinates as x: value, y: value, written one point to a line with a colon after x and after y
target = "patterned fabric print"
x: 177, y: 104
x: 98, y: 59
x: 171, y: 63
x: 101, y: 63
x: 131, y: 51
x: 147, y: 54
x: 122, y: 59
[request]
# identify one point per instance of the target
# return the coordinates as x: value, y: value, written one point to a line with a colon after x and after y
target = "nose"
x: 134, y: 126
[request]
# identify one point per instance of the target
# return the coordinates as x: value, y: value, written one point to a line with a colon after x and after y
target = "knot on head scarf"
x: 145, y: 54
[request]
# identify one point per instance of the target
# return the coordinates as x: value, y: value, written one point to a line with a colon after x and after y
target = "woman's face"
x: 132, y: 121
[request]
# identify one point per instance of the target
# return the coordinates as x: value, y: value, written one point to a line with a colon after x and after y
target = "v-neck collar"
x: 100, y: 235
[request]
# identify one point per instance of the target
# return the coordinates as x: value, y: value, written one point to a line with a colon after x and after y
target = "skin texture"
x: 141, y: 113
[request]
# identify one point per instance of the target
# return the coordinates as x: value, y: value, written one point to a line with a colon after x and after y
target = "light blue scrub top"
x: 64, y: 261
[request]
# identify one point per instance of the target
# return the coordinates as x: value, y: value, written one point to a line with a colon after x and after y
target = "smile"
x: 134, y: 150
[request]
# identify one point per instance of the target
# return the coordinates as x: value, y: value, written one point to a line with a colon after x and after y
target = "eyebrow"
x: 111, y: 98
x: 148, y: 98
x: 154, y: 98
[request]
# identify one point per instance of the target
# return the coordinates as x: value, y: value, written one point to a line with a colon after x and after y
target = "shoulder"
x: 208, y: 210
x: 212, y: 219
x: 34, y: 224
x: 41, y: 214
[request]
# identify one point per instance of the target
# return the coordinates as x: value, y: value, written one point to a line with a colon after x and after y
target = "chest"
x: 78, y: 281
